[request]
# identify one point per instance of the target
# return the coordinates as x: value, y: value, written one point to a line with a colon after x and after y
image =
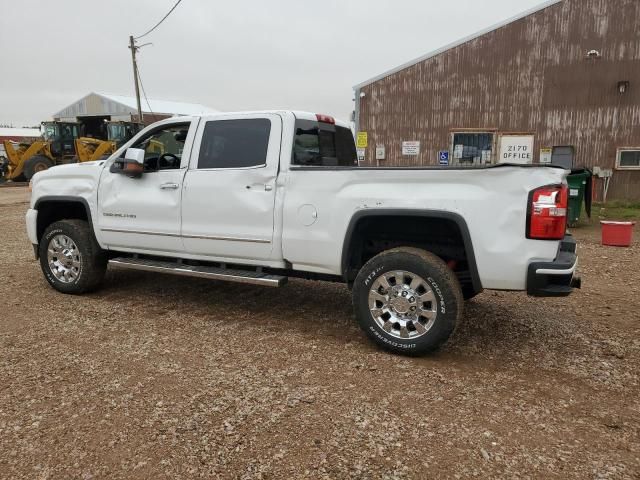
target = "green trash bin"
x: 579, y: 192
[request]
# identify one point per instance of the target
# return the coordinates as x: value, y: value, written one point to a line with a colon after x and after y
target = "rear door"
x: 229, y: 190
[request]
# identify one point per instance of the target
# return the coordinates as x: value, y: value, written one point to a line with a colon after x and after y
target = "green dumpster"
x: 579, y: 192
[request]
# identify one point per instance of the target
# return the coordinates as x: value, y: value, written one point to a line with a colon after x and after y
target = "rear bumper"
x: 557, y: 278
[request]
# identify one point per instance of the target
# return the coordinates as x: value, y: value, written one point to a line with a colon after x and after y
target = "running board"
x: 212, y: 273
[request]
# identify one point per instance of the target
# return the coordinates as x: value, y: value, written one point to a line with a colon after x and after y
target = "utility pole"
x: 132, y: 46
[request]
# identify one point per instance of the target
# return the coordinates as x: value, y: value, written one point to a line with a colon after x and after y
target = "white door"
x: 229, y: 190
x: 143, y: 214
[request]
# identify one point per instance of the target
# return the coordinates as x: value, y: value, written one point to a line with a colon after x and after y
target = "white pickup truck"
x: 260, y: 197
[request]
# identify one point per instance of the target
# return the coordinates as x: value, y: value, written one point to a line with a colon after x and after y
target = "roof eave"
x: 435, y: 53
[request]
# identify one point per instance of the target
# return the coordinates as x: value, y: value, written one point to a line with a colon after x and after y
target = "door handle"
x: 169, y: 186
x: 267, y: 188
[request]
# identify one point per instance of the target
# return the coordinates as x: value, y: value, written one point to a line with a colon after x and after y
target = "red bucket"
x: 617, y: 234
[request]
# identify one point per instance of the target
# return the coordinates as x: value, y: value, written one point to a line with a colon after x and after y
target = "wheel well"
x: 443, y: 235
x: 55, y: 210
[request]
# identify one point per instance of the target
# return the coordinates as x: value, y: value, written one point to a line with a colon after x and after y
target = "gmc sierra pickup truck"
x: 260, y: 197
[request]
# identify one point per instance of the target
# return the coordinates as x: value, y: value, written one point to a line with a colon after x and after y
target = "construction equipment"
x: 24, y: 160
x: 118, y: 133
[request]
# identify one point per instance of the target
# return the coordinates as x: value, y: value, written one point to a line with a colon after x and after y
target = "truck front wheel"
x: 407, y: 301
x: 70, y: 258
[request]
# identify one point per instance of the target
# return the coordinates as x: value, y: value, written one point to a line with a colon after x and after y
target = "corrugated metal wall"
x: 531, y: 76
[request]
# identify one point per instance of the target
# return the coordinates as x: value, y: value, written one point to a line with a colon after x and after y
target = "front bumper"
x: 557, y: 278
x: 31, y: 219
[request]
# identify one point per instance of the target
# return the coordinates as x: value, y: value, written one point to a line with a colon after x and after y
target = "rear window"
x: 323, y: 145
x: 235, y: 143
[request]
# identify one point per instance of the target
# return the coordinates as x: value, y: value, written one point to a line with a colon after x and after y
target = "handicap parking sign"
x: 444, y: 157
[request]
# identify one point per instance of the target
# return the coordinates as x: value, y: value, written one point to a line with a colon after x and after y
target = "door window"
x: 323, y: 145
x: 235, y: 143
x: 163, y: 147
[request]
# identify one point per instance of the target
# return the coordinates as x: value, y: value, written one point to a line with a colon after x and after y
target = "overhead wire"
x: 144, y: 93
x: 158, y: 24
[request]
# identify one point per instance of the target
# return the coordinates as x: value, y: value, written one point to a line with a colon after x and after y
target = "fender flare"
x: 67, y: 199
x: 454, y: 217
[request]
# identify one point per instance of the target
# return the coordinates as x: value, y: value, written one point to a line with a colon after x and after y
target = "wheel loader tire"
x: 36, y: 164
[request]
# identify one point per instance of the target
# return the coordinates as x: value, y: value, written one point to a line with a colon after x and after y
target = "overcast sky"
x: 228, y: 55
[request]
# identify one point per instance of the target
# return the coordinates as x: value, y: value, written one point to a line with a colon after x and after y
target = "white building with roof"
x: 103, y: 106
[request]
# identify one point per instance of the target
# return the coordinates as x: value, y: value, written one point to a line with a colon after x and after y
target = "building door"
x: 563, y: 157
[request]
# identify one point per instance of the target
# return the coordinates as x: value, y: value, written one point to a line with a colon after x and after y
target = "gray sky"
x: 229, y: 55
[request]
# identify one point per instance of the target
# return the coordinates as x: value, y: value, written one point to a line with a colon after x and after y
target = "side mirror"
x: 133, y: 164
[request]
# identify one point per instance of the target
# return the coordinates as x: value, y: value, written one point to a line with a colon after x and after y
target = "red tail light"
x: 547, y: 213
x: 325, y: 119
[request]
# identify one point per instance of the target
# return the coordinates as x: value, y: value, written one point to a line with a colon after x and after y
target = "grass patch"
x: 617, y: 211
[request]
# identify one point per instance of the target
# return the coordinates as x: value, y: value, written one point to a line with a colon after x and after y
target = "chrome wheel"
x: 64, y: 258
x: 403, y: 304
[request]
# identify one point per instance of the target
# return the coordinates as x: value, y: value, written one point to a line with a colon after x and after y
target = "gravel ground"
x: 160, y: 376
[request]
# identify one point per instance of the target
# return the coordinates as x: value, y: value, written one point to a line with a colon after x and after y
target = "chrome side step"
x: 212, y: 273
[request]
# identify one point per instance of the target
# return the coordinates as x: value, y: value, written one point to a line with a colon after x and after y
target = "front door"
x: 143, y: 214
x: 229, y: 190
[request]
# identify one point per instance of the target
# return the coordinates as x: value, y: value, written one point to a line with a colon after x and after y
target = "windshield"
x: 50, y: 131
x: 116, y: 131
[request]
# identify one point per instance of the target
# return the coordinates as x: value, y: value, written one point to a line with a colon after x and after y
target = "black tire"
x: 92, y: 260
x: 36, y: 164
x: 435, y: 274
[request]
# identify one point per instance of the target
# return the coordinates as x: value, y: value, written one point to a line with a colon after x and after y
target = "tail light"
x: 547, y: 213
x: 325, y: 119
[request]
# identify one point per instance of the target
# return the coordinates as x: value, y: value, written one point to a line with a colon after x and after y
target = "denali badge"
x: 119, y: 215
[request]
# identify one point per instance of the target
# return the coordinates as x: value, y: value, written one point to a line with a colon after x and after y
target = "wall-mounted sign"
x: 545, y: 155
x: 362, y: 140
x: 381, y: 153
x: 361, y: 154
x: 516, y: 149
x: 443, y: 157
x: 458, y: 151
x: 411, y: 149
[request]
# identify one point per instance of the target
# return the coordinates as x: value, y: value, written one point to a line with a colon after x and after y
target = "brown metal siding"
x: 533, y: 76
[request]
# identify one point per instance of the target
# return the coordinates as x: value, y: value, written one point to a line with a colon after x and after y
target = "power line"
x: 158, y: 24
x: 145, y: 94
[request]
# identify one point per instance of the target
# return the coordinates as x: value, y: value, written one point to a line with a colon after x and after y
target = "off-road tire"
x: 439, y: 277
x: 36, y: 164
x: 93, y: 263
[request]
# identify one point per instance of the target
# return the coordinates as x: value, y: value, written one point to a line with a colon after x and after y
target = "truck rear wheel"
x: 70, y: 258
x: 36, y: 164
x: 407, y: 301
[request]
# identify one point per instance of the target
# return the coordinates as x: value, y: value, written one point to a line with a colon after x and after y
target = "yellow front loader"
x: 24, y: 160
x: 118, y: 133
x: 91, y: 149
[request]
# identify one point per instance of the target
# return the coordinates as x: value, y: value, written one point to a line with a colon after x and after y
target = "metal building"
x: 98, y: 107
x: 559, y: 83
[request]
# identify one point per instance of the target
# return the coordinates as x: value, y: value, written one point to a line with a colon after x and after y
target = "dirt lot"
x: 159, y: 376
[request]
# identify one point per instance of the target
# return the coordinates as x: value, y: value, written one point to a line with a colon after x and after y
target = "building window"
x: 473, y: 148
x: 628, y: 159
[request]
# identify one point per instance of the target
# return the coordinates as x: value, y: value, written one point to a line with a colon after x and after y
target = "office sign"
x: 516, y: 149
